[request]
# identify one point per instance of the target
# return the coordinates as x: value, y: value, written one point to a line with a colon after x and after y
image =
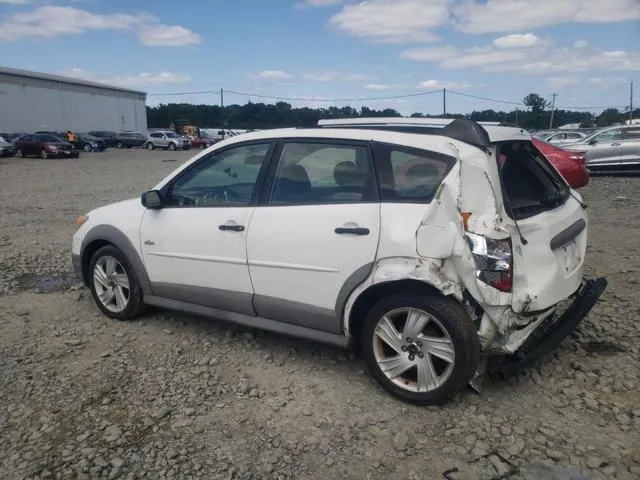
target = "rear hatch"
x: 549, y: 249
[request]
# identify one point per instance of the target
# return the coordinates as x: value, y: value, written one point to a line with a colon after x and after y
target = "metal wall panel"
x: 27, y: 105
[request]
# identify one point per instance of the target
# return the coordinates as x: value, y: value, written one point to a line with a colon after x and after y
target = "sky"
x: 379, y: 53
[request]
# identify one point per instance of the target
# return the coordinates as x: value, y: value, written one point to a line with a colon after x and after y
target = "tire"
x: 88, y: 148
x: 125, y: 303
x: 43, y: 154
x: 172, y: 146
x: 120, y: 145
x: 150, y: 146
x: 452, y: 335
x: 19, y: 153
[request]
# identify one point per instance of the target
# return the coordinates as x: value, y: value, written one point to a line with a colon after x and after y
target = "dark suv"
x: 44, y: 146
x: 129, y: 139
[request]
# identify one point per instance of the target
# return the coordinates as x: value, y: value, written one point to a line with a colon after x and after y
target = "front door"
x: 194, y: 248
x: 606, y: 150
x: 315, y: 235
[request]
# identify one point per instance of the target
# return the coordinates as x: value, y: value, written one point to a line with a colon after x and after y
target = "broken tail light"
x: 493, y: 259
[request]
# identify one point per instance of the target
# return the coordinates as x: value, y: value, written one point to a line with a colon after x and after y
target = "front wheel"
x: 19, y: 153
x: 150, y: 146
x: 44, y: 154
x: 114, y: 285
x: 88, y: 148
x: 120, y: 145
x: 172, y: 146
x: 421, y: 349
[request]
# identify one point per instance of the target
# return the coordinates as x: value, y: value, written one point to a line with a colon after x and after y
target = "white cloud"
x: 272, y: 75
x: 533, y: 61
x: 13, y: 2
x: 140, y: 79
x: 560, y: 82
x: 580, y: 44
x: 440, y: 84
x: 608, y: 82
x: 518, y: 40
x: 52, y: 20
x: 168, y: 36
x: 392, y: 21
x: 377, y: 86
x: 475, y: 16
x: 330, y: 76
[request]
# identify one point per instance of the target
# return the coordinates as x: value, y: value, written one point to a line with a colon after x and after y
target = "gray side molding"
x: 355, y: 279
x: 114, y: 236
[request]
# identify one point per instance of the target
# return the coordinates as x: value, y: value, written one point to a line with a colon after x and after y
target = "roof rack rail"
x: 461, y: 129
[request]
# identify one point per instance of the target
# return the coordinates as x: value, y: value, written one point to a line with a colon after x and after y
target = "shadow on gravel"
x: 602, y: 348
x: 55, y: 282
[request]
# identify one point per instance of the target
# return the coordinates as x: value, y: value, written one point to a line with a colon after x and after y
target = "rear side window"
x: 409, y: 175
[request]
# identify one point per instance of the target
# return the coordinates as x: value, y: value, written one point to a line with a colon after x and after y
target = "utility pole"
x: 221, y: 98
x: 444, y: 102
x: 553, y: 109
x: 631, y: 104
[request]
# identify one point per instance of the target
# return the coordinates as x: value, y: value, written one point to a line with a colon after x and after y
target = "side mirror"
x: 593, y: 142
x: 151, y: 199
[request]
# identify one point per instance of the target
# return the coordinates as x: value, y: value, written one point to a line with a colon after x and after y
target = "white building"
x: 31, y: 101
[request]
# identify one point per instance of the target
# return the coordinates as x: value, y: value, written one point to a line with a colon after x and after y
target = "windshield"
x: 49, y: 139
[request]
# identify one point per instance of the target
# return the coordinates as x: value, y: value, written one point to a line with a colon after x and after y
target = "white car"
x: 442, y: 250
x: 168, y: 140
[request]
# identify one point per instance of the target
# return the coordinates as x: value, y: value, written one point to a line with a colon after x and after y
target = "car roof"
x: 496, y: 131
x: 426, y: 142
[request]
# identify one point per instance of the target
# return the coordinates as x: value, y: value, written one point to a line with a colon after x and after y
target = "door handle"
x: 232, y: 228
x: 352, y: 231
x: 615, y: 144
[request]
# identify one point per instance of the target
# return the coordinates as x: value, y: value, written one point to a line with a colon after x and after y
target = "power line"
x: 485, y: 98
x: 299, y: 99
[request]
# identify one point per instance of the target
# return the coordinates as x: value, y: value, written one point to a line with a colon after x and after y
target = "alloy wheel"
x: 413, y: 350
x: 111, y: 283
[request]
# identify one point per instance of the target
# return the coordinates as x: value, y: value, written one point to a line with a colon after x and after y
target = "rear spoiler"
x: 461, y: 129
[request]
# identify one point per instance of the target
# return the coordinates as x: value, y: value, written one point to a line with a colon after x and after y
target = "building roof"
x: 16, y: 72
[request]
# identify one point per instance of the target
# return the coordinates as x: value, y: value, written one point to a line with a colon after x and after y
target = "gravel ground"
x: 175, y: 396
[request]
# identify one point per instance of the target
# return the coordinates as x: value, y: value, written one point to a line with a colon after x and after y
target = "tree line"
x: 281, y: 114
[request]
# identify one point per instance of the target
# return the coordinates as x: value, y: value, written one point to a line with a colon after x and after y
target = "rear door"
x: 630, y: 147
x: 606, y: 148
x: 315, y: 232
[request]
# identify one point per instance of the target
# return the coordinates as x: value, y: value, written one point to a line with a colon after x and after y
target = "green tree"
x: 535, y: 102
x: 609, y: 116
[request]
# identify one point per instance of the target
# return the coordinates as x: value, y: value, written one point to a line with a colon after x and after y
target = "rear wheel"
x: 120, y: 145
x: 419, y: 348
x: 114, y: 285
x: 19, y: 153
x: 44, y: 154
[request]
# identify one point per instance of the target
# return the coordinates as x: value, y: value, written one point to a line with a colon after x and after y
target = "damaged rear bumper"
x: 549, y: 335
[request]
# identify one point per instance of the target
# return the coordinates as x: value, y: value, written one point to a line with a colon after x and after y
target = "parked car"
x: 108, y: 137
x: 202, y: 142
x: 561, y: 137
x: 612, y: 149
x: 129, y: 140
x: 7, y: 149
x: 455, y: 266
x: 167, y: 140
x: 44, y: 146
x: 571, y: 164
x: 88, y: 143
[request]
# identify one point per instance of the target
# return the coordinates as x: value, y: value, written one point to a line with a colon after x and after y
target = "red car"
x: 572, y: 165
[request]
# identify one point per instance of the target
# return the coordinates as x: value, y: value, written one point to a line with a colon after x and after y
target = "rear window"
x: 409, y: 175
x: 530, y: 183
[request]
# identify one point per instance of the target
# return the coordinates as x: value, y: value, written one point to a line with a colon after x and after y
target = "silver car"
x: 562, y: 138
x: 612, y: 148
x: 167, y: 139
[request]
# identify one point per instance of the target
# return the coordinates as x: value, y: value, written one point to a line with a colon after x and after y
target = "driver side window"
x: 610, y: 136
x: 226, y: 178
